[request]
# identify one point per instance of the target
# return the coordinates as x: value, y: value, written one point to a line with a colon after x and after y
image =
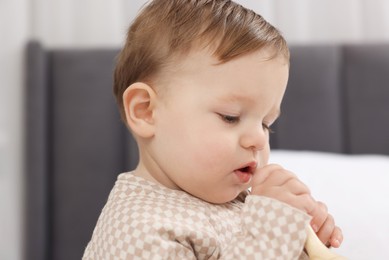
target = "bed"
x: 333, y: 133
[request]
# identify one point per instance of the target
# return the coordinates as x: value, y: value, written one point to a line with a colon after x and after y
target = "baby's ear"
x: 138, y: 101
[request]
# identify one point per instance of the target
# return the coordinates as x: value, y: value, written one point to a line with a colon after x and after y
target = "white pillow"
x: 356, y: 190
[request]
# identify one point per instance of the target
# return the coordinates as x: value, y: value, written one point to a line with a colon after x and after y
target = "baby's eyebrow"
x: 237, y: 97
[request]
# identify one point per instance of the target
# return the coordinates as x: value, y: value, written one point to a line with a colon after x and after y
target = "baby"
x: 199, y: 84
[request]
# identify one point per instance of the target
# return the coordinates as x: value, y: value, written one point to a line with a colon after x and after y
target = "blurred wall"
x: 102, y: 23
x: 13, y: 35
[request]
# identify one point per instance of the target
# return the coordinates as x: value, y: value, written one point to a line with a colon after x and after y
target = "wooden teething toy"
x: 317, y: 250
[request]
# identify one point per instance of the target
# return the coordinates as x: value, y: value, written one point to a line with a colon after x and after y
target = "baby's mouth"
x: 249, y: 167
x: 246, y: 172
x: 246, y: 169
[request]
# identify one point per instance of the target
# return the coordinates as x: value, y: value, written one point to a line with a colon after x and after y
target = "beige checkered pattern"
x: 143, y: 220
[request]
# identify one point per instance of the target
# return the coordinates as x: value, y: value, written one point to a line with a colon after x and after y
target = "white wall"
x: 326, y: 21
x: 86, y: 23
x: 100, y: 22
x: 13, y: 33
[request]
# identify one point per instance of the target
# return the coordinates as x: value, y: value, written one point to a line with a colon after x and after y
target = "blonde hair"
x: 166, y: 29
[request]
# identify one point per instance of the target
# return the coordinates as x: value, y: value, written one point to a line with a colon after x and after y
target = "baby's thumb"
x: 261, y: 174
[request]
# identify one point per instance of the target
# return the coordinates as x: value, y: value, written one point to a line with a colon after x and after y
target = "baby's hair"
x: 165, y: 30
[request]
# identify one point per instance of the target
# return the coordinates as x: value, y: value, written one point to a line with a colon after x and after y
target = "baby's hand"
x: 275, y: 182
x: 324, y: 226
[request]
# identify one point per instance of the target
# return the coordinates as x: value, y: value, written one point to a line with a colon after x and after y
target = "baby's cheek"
x: 213, y: 154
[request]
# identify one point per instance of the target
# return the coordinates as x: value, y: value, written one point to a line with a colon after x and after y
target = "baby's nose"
x: 254, y: 138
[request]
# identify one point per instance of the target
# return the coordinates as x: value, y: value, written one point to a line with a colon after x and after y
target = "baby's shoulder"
x: 140, y: 212
x: 141, y: 199
x: 136, y: 196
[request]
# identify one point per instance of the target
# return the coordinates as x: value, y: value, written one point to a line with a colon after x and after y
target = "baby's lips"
x: 252, y: 166
x: 249, y: 167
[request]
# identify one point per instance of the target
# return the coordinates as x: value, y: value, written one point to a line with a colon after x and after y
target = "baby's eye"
x: 229, y: 119
x: 267, y: 127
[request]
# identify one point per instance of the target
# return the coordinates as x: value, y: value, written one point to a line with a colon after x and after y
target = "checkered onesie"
x: 144, y: 220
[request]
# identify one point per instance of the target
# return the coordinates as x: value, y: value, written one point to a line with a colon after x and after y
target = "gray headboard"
x: 337, y: 101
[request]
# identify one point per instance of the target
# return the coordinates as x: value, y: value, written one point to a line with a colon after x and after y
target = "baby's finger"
x: 325, y: 232
x: 336, y: 237
x: 278, y: 176
x: 319, y: 216
x: 303, y: 202
x: 262, y: 174
x: 296, y: 187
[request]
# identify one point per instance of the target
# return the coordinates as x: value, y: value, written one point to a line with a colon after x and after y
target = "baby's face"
x: 211, y: 123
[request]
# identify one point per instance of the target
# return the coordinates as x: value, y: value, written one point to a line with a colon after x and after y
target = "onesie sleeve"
x: 270, y: 230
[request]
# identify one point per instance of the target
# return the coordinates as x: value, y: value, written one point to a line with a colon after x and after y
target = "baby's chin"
x: 220, y: 198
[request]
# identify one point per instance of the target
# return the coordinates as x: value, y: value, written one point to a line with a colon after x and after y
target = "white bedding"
x: 356, y: 191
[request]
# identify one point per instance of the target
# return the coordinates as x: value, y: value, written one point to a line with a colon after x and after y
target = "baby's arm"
x: 271, y: 229
x: 275, y: 182
x: 275, y: 217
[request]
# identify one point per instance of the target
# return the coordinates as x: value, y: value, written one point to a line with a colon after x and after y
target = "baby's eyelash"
x: 229, y: 119
x: 267, y: 127
x: 235, y: 119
